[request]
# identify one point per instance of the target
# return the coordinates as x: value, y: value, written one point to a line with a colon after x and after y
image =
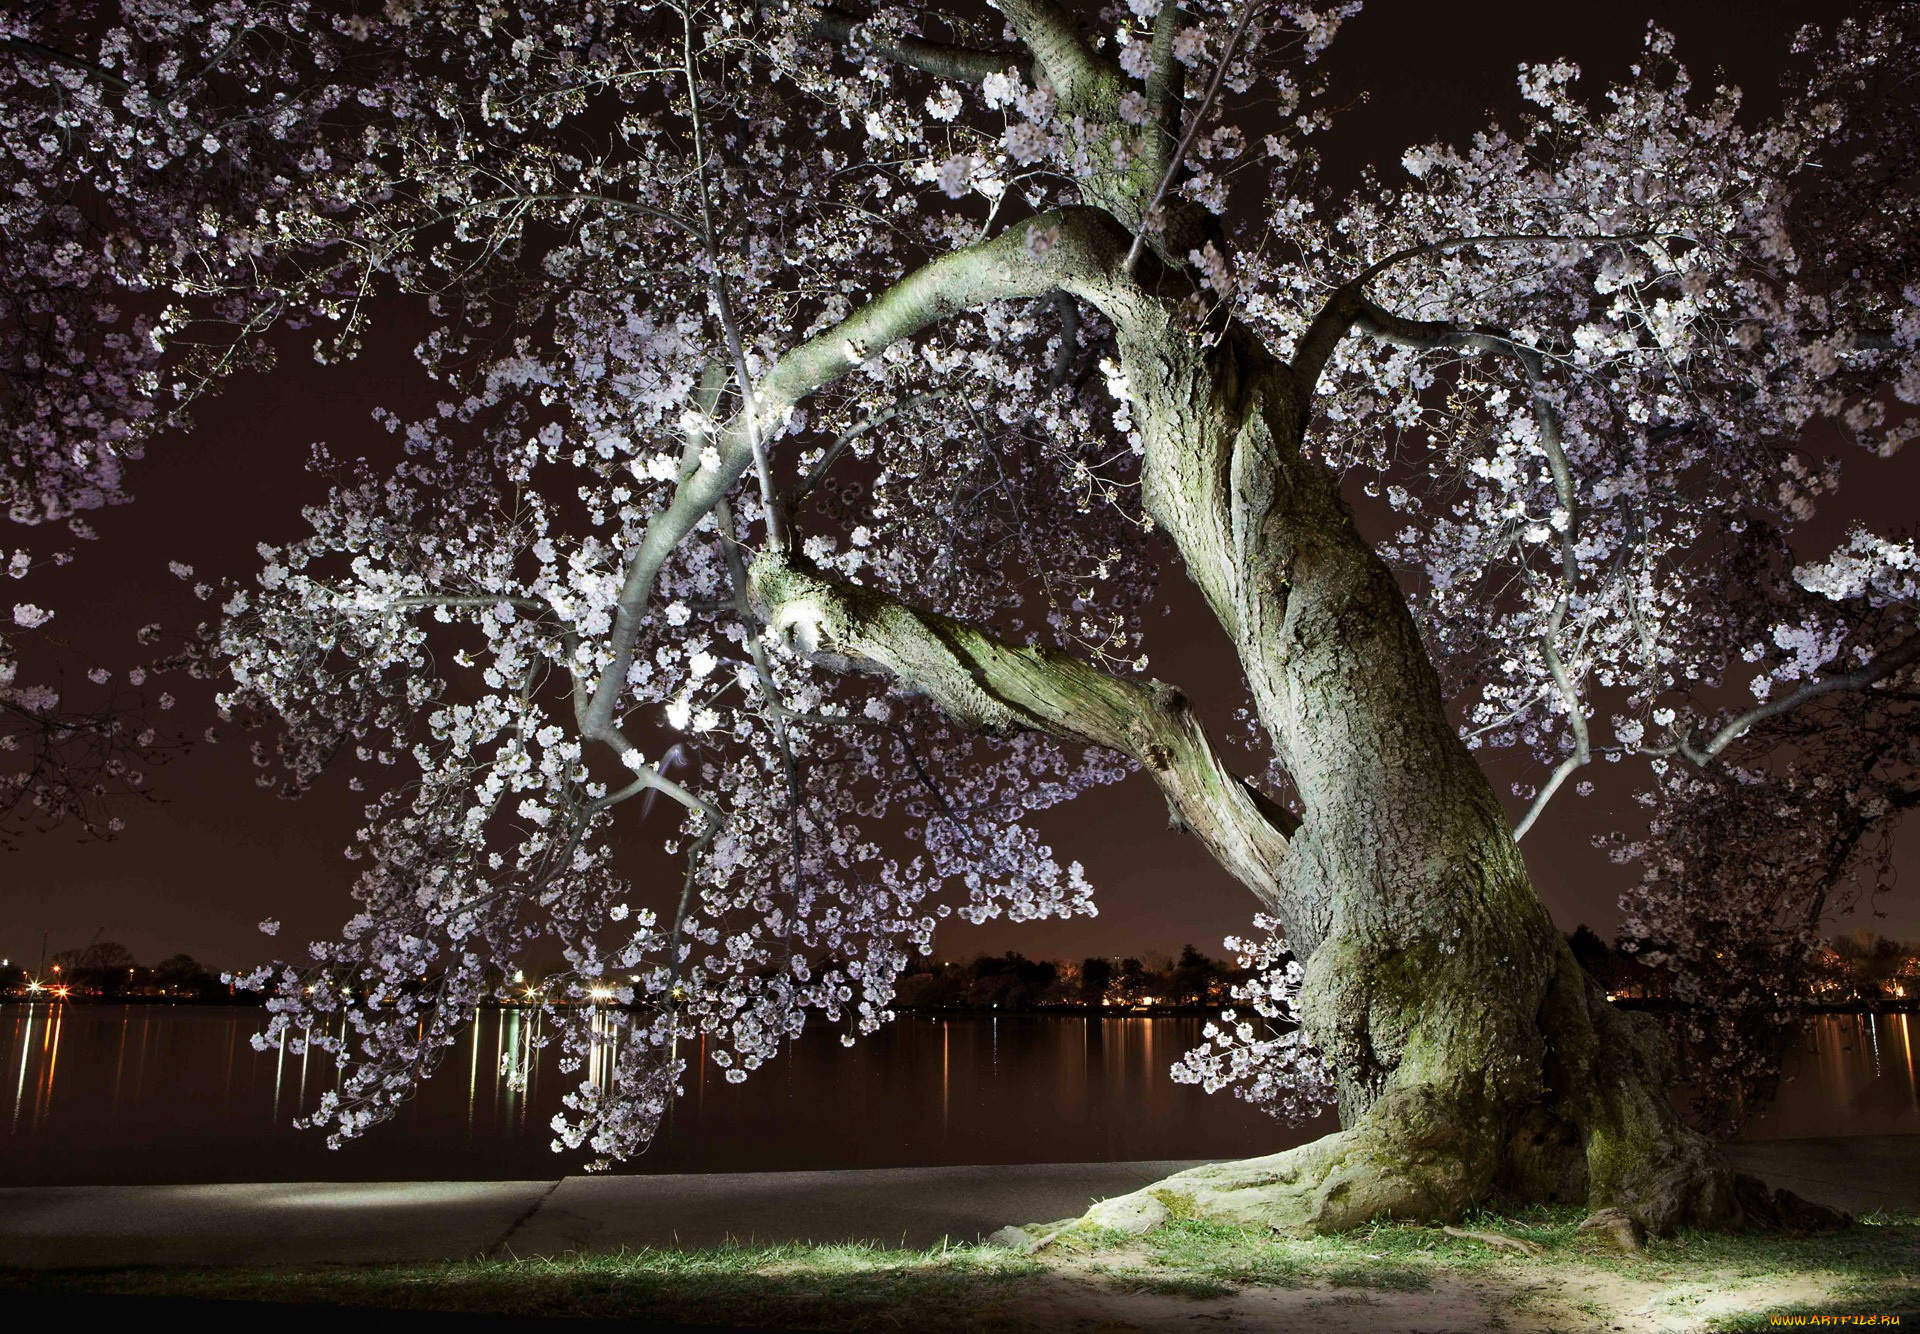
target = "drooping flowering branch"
x: 950, y: 282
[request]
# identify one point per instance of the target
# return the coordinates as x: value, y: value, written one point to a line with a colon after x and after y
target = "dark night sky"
x: 196, y: 872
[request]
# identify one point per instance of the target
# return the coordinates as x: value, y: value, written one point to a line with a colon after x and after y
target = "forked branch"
x: 1349, y: 301
x: 965, y: 64
x: 1003, y: 268
x: 1001, y: 688
x: 1902, y: 655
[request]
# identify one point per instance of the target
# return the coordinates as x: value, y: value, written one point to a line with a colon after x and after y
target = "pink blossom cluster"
x: 1606, y: 364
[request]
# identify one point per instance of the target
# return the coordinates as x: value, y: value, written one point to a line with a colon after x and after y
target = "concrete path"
x: 86, y: 1227
x: 1861, y: 1174
x: 90, y: 1227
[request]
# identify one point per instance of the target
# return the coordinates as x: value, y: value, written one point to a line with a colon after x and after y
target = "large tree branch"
x: 1166, y: 76
x: 1003, y: 268
x: 1001, y: 688
x: 1061, y: 55
x: 937, y: 58
x: 1901, y: 655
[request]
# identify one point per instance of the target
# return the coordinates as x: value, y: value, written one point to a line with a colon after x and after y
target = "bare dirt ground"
x: 1082, y: 1297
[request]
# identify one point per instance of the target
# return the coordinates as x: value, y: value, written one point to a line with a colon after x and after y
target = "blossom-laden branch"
x: 1350, y: 302
x: 1369, y: 317
x: 1001, y: 689
x: 32, y: 50
x: 944, y: 60
x: 722, y: 300
x: 1178, y: 158
x: 1002, y: 268
x: 1885, y: 664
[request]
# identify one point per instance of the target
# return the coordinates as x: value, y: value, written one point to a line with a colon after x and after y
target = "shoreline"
x: 1650, y: 1005
x: 919, y: 1206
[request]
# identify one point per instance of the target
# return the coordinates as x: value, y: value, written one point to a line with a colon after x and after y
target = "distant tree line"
x: 1011, y: 981
x: 1856, y: 970
x: 107, y: 970
x: 1627, y: 970
x: 1866, y: 968
x: 1859, y: 969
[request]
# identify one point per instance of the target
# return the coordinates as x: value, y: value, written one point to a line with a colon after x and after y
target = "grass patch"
x: 1227, y: 1255
x: 1867, y: 1269
x: 1391, y: 1257
x: 1380, y: 1278
x: 848, y: 1287
x: 1896, y: 1303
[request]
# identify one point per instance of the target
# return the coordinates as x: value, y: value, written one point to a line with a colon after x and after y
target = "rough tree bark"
x: 1476, y: 1062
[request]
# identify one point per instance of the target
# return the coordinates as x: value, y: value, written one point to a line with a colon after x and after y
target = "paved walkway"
x: 68, y: 1227
x: 1859, y: 1173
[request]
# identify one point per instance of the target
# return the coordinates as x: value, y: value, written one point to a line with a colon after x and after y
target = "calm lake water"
x: 111, y: 1094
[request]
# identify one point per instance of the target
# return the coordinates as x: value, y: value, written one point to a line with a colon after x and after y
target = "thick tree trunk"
x: 1475, y: 1061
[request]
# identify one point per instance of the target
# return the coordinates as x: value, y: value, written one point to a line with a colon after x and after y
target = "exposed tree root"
x: 1349, y: 1178
x: 1336, y: 1183
x: 1619, y: 1228
x: 1496, y: 1240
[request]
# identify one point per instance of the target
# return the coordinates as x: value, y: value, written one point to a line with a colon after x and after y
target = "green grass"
x: 1869, y: 1268
x: 848, y: 1287
x: 1873, y: 1265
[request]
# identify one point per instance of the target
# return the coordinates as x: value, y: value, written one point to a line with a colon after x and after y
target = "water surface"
x: 146, y: 1093
x: 158, y: 1094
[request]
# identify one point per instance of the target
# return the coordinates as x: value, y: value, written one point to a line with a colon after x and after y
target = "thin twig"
x: 723, y: 306
x: 1200, y: 114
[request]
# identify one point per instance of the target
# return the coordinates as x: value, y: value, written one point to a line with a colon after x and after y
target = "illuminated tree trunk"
x: 1475, y: 1060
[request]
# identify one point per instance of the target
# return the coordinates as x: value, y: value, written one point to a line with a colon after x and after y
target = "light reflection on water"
x: 158, y: 1094
x: 1848, y: 1074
